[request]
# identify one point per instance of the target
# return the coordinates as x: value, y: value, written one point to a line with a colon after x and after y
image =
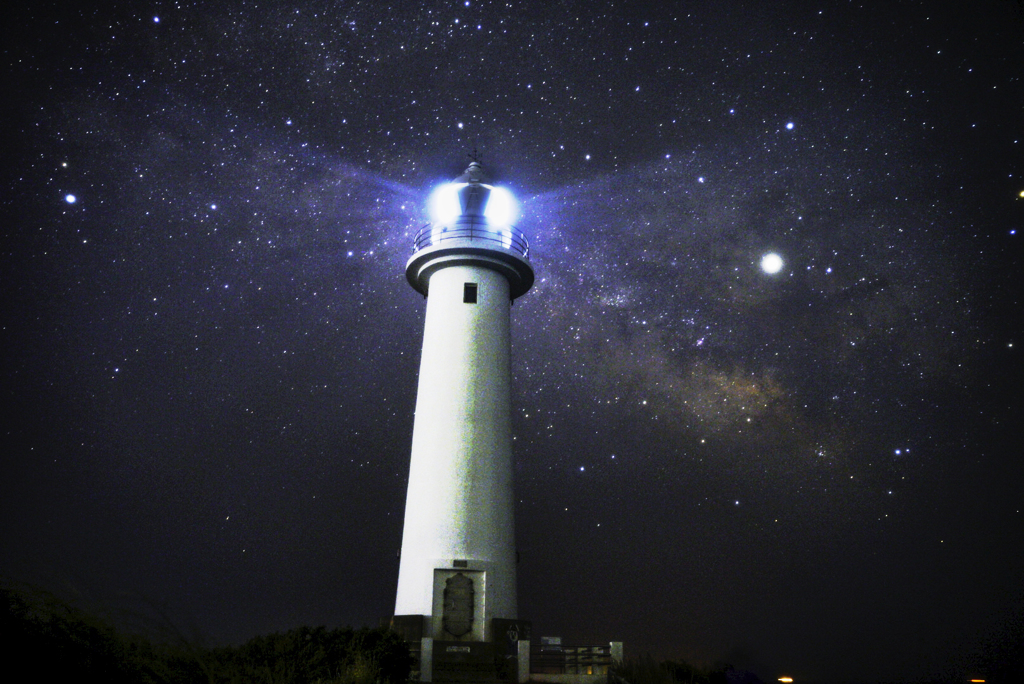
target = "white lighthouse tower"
x: 458, y: 561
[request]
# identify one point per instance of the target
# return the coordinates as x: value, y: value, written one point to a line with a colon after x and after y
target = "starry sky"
x: 211, y: 350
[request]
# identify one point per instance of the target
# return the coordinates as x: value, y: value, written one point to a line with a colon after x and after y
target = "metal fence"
x: 508, y: 237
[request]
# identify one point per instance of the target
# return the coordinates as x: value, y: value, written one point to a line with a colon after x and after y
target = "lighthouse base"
x: 467, y: 662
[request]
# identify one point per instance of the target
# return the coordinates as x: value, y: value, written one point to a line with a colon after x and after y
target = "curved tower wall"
x: 460, y: 503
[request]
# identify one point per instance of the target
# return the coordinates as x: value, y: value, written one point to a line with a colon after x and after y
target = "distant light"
x: 70, y: 199
x: 156, y: 20
x: 700, y: 179
x: 460, y: 125
x: 588, y: 157
x: 213, y: 207
x: 789, y: 126
x: 785, y: 679
x: 771, y: 263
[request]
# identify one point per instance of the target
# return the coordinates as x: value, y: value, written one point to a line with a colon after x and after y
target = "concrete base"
x: 426, y: 660
x: 569, y: 678
x: 504, y: 660
x: 523, y: 662
x: 461, y: 662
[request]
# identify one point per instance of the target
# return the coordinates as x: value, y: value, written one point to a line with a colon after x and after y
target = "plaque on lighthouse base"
x: 459, y: 642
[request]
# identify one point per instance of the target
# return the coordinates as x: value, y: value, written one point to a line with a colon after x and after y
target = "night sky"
x: 210, y: 349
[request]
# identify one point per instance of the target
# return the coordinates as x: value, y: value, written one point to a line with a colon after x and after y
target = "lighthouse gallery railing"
x: 508, y: 237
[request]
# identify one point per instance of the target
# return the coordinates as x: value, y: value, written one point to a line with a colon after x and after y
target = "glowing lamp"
x: 471, y: 221
x: 444, y: 206
x: 501, y: 208
x: 470, y: 200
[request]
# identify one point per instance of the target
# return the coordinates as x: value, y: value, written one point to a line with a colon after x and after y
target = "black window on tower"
x: 469, y: 293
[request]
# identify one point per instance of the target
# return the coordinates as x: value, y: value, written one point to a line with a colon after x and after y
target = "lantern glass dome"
x: 445, y: 205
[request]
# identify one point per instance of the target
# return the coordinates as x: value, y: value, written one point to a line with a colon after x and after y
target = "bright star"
x: 70, y: 199
x: 771, y: 263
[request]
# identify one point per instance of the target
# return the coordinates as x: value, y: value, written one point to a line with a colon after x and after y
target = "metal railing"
x: 508, y: 237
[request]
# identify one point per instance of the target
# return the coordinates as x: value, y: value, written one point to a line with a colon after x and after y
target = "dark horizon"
x: 212, y: 349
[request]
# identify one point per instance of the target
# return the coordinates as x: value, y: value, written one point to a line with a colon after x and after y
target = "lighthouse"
x: 457, y: 572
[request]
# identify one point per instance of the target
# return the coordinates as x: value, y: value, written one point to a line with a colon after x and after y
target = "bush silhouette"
x: 53, y: 640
